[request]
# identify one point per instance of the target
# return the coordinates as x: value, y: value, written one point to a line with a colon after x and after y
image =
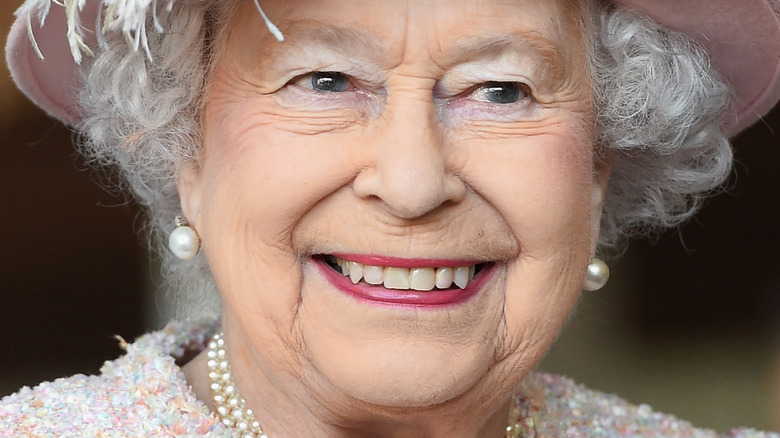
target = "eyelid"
x: 472, y: 89
x: 472, y: 74
x: 306, y: 63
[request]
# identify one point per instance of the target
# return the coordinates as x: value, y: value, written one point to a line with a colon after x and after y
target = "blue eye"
x: 329, y: 81
x: 499, y: 92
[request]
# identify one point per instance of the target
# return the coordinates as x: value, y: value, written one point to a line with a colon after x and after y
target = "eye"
x: 500, y: 92
x: 471, y: 101
x: 329, y: 81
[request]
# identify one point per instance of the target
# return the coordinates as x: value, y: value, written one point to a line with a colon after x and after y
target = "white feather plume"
x: 126, y: 16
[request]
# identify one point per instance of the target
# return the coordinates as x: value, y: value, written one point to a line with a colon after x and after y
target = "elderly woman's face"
x: 439, y: 145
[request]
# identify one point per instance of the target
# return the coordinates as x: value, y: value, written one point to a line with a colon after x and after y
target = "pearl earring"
x: 596, y: 276
x: 184, y: 241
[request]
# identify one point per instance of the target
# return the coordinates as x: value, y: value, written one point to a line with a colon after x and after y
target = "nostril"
x: 411, y: 193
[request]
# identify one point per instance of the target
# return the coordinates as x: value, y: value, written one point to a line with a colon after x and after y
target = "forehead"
x: 392, y: 29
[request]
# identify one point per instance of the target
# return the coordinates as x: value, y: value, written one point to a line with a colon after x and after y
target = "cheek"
x: 261, y: 163
x: 259, y: 180
x: 542, y: 186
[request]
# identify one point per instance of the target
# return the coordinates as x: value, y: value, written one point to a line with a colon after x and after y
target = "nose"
x: 410, y: 172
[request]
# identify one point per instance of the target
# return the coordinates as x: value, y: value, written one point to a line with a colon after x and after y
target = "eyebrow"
x: 360, y: 44
x: 474, y: 48
x: 352, y: 42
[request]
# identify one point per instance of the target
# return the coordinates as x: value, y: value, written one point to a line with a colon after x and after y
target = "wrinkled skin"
x: 413, y: 154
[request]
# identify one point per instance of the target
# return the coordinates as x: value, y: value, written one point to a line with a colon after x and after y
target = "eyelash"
x: 324, y: 76
x: 473, y: 103
x: 480, y: 92
x: 484, y: 88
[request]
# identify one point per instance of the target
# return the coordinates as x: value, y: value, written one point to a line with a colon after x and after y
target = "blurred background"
x: 689, y: 323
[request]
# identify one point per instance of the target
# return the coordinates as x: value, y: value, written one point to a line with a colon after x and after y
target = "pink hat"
x: 742, y: 38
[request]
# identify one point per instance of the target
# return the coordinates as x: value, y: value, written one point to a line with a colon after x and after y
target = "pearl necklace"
x: 230, y: 406
x: 232, y: 410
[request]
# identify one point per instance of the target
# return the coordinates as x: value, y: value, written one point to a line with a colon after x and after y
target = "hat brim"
x: 742, y: 39
x: 52, y: 82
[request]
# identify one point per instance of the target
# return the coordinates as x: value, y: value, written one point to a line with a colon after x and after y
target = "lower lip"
x: 408, y: 298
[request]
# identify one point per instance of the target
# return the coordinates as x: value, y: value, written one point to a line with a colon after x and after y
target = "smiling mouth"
x: 400, y: 278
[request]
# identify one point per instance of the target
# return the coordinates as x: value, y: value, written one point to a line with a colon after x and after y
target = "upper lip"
x: 408, y: 262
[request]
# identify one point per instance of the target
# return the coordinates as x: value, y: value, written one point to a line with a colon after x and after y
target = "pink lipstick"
x: 381, y: 295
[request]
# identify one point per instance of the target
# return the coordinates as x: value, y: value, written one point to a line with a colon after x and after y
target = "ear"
x: 188, y: 182
x: 602, y: 169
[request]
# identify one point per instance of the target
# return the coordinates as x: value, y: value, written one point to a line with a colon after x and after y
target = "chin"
x: 417, y: 353
x: 397, y: 373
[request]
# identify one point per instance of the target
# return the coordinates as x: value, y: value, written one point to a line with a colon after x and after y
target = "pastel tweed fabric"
x: 144, y: 394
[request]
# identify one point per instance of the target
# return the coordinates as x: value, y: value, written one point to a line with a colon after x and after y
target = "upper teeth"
x: 422, y: 279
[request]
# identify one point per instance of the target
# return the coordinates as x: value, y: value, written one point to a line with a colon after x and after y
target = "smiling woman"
x: 388, y: 210
x: 413, y: 149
